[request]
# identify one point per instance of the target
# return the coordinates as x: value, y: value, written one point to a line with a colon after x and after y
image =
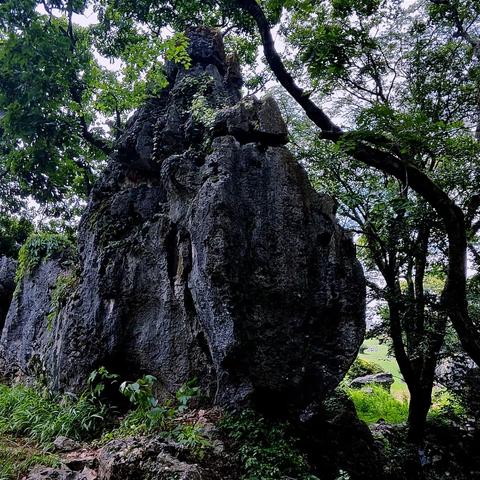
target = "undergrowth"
x: 265, y: 449
x: 17, y: 458
x: 447, y: 409
x: 29, y: 412
x: 40, y: 416
x: 165, y: 419
x: 374, y: 403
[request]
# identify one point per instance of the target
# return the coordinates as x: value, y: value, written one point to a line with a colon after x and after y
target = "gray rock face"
x: 65, y: 444
x: 7, y: 286
x: 64, y: 473
x: 205, y: 253
x: 384, y: 380
x: 26, y: 333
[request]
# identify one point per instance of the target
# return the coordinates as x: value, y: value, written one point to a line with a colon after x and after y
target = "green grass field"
x: 377, y: 352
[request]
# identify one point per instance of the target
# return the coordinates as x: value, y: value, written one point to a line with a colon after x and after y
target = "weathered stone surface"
x: 253, y: 120
x: 7, y: 286
x: 65, y: 444
x: 63, y: 473
x: 205, y: 253
x: 384, y: 380
x: 151, y: 458
x: 26, y: 333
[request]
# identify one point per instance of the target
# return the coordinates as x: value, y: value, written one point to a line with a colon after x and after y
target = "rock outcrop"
x: 7, y: 285
x: 205, y: 253
x: 27, y: 333
x: 134, y: 458
x: 384, y: 380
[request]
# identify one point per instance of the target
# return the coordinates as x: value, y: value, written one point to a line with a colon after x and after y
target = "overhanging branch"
x: 454, y: 294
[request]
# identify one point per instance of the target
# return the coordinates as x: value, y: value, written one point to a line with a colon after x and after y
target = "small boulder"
x: 384, y: 380
x: 65, y: 444
x: 63, y: 473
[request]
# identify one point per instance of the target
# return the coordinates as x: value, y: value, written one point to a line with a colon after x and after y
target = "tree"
x: 407, y: 86
x: 54, y: 94
x: 400, y: 240
x: 375, y: 150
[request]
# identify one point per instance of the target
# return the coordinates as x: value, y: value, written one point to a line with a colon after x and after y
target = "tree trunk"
x: 420, y: 401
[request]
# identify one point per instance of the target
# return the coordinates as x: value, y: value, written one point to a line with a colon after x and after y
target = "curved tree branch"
x: 454, y: 294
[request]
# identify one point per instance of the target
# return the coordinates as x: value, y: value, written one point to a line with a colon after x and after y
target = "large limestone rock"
x: 206, y: 253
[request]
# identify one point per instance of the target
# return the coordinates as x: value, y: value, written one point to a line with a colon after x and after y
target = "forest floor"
x: 19, y: 455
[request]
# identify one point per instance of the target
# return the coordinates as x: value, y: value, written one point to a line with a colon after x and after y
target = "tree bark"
x: 420, y: 401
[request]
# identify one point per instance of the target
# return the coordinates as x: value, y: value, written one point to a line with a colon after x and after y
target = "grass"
x: 41, y: 417
x: 377, y: 353
x: 18, y: 457
x: 378, y: 404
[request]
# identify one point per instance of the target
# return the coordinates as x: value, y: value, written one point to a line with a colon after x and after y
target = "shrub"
x: 266, y: 450
x: 151, y: 416
x: 374, y: 403
x: 148, y: 415
x: 39, y: 247
x: 447, y: 408
x: 362, y: 367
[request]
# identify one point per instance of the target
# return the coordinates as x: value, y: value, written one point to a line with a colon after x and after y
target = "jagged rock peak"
x: 200, y: 103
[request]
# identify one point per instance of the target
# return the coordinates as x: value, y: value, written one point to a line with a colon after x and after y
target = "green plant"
x: 140, y: 393
x: 265, y: 449
x: 149, y: 414
x: 63, y: 287
x: 361, y: 367
x: 202, y: 112
x: 165, y: 419
x: 191, y: 435
x: 185, y: 394
x: 39, y: 247
x: 374, y: 403
x: 447, y: 408
x: 97, y: 381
